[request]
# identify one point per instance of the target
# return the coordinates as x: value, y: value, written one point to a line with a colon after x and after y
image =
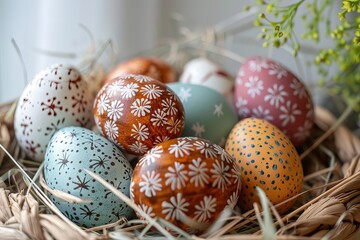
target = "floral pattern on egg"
x: 137, y: 112
x: 55, y: 98
x: 266, y: 89
x: 189, y: 176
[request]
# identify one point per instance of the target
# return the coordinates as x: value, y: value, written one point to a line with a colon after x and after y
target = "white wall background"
x: 132, y: 25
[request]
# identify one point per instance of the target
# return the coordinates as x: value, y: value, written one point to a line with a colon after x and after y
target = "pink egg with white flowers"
x: 266, y: 89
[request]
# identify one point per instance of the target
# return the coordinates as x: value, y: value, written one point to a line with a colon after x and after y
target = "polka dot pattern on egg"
x: 267, y: 159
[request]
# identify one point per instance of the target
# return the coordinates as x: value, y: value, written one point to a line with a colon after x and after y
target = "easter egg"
x: 266, y: 89
x: 208, y: 113
x: 137, y: 112
x: 204, y: 72
x: 57, y: 97
x: 268, y: 160
x: 148, y: 66
x: 186, y: 176
x: 72, y: 150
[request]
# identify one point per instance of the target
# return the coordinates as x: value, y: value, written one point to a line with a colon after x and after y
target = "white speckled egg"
x: 204, y: 72
x: 208, y: 114
x: 70, y: 151
x: 58, y: 96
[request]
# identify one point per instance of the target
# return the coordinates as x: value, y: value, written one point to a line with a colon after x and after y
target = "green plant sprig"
x: 344, y: 54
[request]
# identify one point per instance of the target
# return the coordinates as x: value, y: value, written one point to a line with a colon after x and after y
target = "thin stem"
x: 332, y: 129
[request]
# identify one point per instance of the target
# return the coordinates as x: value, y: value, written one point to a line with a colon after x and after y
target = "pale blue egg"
x: 72, y: 150
x: 208, y: 114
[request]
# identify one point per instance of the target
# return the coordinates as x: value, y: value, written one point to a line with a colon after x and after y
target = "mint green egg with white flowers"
x: 208, y: 114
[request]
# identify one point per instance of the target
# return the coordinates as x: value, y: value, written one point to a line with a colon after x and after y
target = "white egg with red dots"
x: 57, y: 97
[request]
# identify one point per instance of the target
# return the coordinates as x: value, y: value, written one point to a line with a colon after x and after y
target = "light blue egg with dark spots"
x: 208, y: 114
x: 72, y: 150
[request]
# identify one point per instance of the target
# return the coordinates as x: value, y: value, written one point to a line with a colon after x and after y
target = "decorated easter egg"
x: 72, y: 150
x: 208, y: 113
x: 186, y: 177
x: 137, y: 112
x: 204, y: 72
x: 148, y: 66
x: 268, y: 160
x: 56, y: 97
x: 266, y: 89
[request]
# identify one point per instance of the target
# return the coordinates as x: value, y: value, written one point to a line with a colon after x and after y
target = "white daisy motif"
x: 254, y: 85
x: 184, y: 94
x: 181, y: 149
x: 176, y: 176
x: 150, y: 183
x: 289, y: 111
x: 236, y: 174
x: 299, y: 89
x: 220, y: 174
x: 111, y: 130
x: 103, y: 104
x: 175, y: 208
x: 140, y: 107
x: 147, y: 209
x: 174, y: 126
x: 257, y: 65
x: 205, y: 148
x: 198, y: 129
x: 239, y: 77
x: 310, y: 109
x: 160, y: 139
x: 303, y: 132
x: 114, y: 87
x: 218, y: 110
x: 129, y: 90
x: 142, y: 78
x: 151, y: 91
x: 115, y: 111
x: 197, y: 173
x: 205, y: 209
x: 140, y: 132
x: 240, y: 104
x: 261, y: 113
x: 276, y: 95
x: 158, y: 118
x: 232, y: 201
x: 223, y: 154
x: 151, y: 156
x: 127, y: 76
x: 278, y: 71
x: 138, y: 147
x: 169, y: 106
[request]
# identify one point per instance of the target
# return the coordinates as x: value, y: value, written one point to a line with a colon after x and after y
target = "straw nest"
x: 328, y: 207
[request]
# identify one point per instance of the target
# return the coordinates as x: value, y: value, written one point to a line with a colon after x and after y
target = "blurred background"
x: 48, y: 32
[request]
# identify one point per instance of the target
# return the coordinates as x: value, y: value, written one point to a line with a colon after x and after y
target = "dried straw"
x: 330, y: 214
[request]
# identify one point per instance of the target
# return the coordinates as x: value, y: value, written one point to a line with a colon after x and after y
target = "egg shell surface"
x: 266, y: 89
x: 208, y: 114
x: 57, y: 97
x: 186, y: 176
x: 71, y: 151
x: 268, y: 160
x: 137, y: 112
x: 148, y: 66
x: 204, y: 72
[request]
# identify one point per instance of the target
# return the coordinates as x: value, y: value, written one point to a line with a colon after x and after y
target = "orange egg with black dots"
x: 268, y: 160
